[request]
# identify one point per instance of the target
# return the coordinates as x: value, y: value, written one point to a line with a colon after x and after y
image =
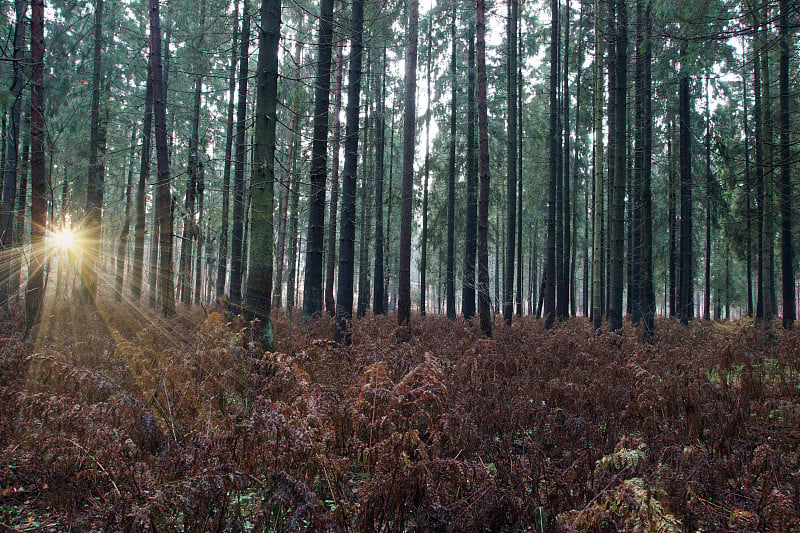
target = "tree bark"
x: 11, y: 157
x: 597, y: 208
x: 511, y: 163
x: 257, y: 297
x: 450, y: 284
x: 222, y: 258
x: 163, y: 195
x: 406, y: 207
x: 484, y: 301
x: 237, y: 233
x: 34, y: 289
x: 379, y: 292
x: 787, y: 250
x: 122, y: 244
x: 423, y: 262
x: 553, y: 198
x: 470, y: 244
x: 686, y: 253
x: 144, y: 172
x: 312, y: 284
x: 347, y: 231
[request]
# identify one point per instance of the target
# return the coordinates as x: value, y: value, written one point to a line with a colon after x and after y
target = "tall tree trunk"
x: 11, y: 157
x: 379, y: 291
x: 484, y: 302
x: 760, y: 211
x: 21, y: 207
x: 312, y: 284
x: 257, y: 297
x: 768, y: 220
x: 787, y: 251
x: 144, y: 172
x: 365, y: 218
x: 94, y: 184
x: 617, y: 192
x: 9, y: 192
x: 34, y: 289
x: 222, y: 259
x: 450, y: 283
x: 520, y: 126
x: 553, y: 198
x: 597, y: 208
x: 565, y: 286
x: 406, y: 207
x: 330, y: 270
x: 294, y: 201
x: 708, y: 202
x: 511, y: 163
x: 198, y: 232
x: 347, y: 231
x: 122, y: 244
x: 286, y: 187
x: 163, y: 196
x: 672, y: 220
x: 237, y: 232
x: 470, y: 244
x: 423, y: 262
x: 748, y: 199
x: 686, y: 253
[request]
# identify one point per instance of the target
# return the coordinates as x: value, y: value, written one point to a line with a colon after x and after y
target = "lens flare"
x: 64, y: 239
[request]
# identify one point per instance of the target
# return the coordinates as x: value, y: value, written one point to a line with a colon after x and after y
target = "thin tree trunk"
x: 511, y: 163
x: 237, y: 232
x: 122, y: 245
x: 423, y: 262
x: 748, y: 200
x: 312, y: 285
x: 787, y: 251
x: 484, y: 302
x: 330, y: 272
x: 708, y: 202
x: 94, y: 184
x: 686, y: 253
x: 759, y: 142
x: 198, y: 232
x: 222, y: 260
x: 257, y: 297
x: 406, y: 207
x: 672, y: 218
x: 144, y: 172
x: 565, y: 283
x: 768, y: 220
x: 450, y: 284
x: 553, y: 198
x: 347, y: 232
x: 468, y: 288
x: 597, y: 209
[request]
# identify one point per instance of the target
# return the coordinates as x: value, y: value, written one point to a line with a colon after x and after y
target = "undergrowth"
x: 111, y: 422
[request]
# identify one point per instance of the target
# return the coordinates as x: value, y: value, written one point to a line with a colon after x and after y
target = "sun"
x: 64, y: 239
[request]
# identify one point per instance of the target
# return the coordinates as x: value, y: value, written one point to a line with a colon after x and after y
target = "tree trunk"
x: 257, y: 297
x: 379, y: 291
x: 787, y: 251
x: 760, y: 212
x: 144, y: 171
x: 34, y: 290
x: 768, y: 219
x: 94, y: 184
x: 406, y: 207
x: 330, y: 271
x: 484, y: 302
x: 163, y: 196
x: 347, y: 232
x: 450, y: 284
x: 11, y: 155
x: 511, y: 163
x: 564, y: 284
x: 198, y: 232
x: 294, y: 201
x: 312, y: 284
x: 520, y: 89
x: 617, y: 192
x: 597, y: 208
x: 222, y: 260
x: 470, y: 244
x: 686, y: 253
x: 286, y: 189
x: 672, y: 220
x: 423, y: 262
x: 748, y: 200
x: 235, y: 290
x: 122, y: 245
x: 553, y: 198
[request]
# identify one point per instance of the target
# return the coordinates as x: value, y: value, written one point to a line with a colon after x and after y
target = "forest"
x: 283, y: 265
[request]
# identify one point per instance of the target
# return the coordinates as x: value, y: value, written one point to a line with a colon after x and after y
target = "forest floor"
x: 116, y: 420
